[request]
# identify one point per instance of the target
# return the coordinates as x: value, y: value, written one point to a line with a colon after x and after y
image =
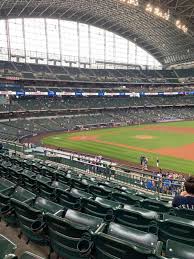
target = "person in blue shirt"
x: 186, y: 198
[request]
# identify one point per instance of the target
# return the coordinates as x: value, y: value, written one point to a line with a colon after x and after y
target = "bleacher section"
x: 16, y: 128
x: 78, y: 216
x: 38, y: 71
x: 46, y: 103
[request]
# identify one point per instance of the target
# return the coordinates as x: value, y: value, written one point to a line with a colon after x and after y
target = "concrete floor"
x: 12, y: 234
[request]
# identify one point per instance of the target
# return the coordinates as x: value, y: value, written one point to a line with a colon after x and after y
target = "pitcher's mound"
x: 143, y: 137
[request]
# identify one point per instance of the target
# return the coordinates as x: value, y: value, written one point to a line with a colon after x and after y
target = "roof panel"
x: 159, y: 37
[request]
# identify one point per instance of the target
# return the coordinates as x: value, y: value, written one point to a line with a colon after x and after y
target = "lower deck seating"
x: 93, y: 221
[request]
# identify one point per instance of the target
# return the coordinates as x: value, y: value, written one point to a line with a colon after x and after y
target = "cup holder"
x: 38, y: 226
x: 6, y: 210
x: 109, y: 218
x: 77, y: 206
x: 84, y: 247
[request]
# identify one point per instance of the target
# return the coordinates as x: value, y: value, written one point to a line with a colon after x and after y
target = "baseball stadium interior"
x: 84, y: 67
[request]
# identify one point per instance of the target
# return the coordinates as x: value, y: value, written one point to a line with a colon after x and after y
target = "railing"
x: 134, y: 178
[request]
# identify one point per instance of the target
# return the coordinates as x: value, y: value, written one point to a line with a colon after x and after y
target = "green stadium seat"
x: 179, y: 250
x: 80, y: 194
x: 108, y: 184
x: 154, y: 205
x: 184, y: 213
x: 15, y: 176
x: 29, y: 182
x: 60, y: 185
x: 6, y: 185
x: 47, y: 172
x: 68, y: 200
x: 84, y: 219
x: 66, y: 233
x: 117, y: 241
x: 31, y: 217
x: 22, y: 194
x: 43, y: 179
x: 177, y: 229
x: 100, y: 191
x: 63, y: 178
x: 45, y: 205
x: 126, y: 198
x: 6, y: 247
x: 35, y: 167
x: 146, y: 195
x: 138, y: 218
x: 125, y: 190
x: 101, y: 208
x: 80, y: 184
x: 46, y: 191
x: 6, y: 210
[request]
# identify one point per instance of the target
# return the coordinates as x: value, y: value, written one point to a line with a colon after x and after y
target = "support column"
x: 78, y: 43
x: 60, y: 46
x: 46, y: 36
x: 135, y: 54
x: 8, y: 39
x: 105, y: 57
x: 127, y: 52
x: 89, y: 44
x: 114, y: 49
x: 24, y: 38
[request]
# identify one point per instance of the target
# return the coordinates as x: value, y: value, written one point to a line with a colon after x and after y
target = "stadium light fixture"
x: 181, y: 26
x: 157, y: 11
x: 130, y: 2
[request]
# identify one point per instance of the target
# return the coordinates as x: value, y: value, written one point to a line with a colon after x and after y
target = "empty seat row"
x: 77, y: 222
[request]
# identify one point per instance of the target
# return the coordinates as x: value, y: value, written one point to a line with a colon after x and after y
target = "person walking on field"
x: 157, y: 162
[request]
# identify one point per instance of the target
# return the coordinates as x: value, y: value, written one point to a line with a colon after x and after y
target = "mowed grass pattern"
x: 127, y: 136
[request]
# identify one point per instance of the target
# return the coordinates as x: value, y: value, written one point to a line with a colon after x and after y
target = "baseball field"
x: 172, y: 143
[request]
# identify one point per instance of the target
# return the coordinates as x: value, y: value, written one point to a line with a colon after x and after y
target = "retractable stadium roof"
x: 161, y: 38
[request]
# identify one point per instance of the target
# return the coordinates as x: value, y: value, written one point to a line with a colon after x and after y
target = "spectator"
x: 157, y: 162
x: 186, y: 198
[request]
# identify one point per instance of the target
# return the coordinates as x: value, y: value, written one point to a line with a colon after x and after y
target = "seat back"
x: 24, y: 209
x: 15, y: 176
x: 5, y: 185
x: 80, y: 194
x: 22, y: 194
x: 184, y: 213
x: 45, y: 205
x: 108, y: 247
x: 96, y: 209
x: 154, y: 205
x: 60, y: 185
x: 100, y: 191
x: 178, y: 250
x: 64, y: 236
x: 46, y: 191
x: 80, y: 185
x: 68, y: 200
x: 43, y: 179
x: 177, y: 229
x: 48, y: 173
x: 126, y: 198
x: 108, y: 203
x: 144, y: 220
x: 133, y: 236
x: 61, y: 177
x: 83, y: 219
x: 29, y: 183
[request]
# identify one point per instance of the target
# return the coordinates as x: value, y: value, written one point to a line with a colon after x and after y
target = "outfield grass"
x: 128, y: 136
